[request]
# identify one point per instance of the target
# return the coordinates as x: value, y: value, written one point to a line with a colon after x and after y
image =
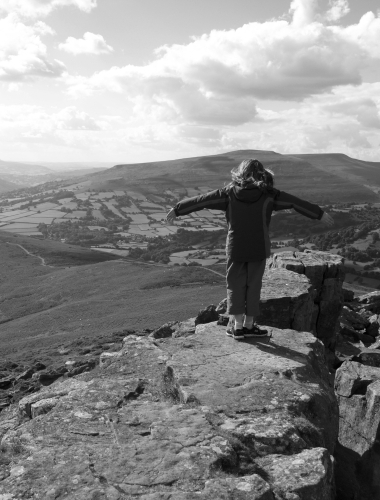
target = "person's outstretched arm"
x: 286, y: 201
x: 216, y: 200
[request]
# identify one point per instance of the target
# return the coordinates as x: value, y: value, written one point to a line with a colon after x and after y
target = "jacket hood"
x: 249, y: 194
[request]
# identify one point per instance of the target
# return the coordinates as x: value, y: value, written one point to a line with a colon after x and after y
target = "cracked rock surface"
x: 358, y: 456
x: 197, y: 417
x: 326, y: 275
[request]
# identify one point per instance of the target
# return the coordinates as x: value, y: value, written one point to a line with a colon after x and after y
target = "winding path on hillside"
x: 124, y: 259
x: 43, y: 262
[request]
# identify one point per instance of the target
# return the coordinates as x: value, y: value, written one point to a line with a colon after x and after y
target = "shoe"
x: 235, y: 334
x: 255, y: 331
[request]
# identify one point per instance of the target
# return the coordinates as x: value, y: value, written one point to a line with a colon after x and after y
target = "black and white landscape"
x: 117, y: 378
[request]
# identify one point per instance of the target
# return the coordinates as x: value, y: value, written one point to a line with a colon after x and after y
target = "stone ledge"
x: 258, y: 409
x: 326, y: 275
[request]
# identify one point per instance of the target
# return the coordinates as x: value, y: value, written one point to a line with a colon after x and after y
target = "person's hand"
x: 171, y: 216
x: 327, y: 219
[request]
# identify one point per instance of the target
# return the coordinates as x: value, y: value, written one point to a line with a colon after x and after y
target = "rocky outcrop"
x: 302, y: 291
x: 75, y: 357
x: 196, y: 417
x: 358, y: 457
x: 326, y: 275
x: 286, y: 301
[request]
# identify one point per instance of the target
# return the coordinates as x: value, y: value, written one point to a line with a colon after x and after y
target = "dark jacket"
x: 248, y: 213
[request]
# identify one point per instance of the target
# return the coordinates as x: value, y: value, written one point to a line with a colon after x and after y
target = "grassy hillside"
x: 310, y: 179
x: 43, y: 307
x: 54, y: 253
x: 344, y: 167
x: 7, y: 186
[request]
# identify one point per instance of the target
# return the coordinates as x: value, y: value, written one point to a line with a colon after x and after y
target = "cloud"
x: 34, y: 121
x: 23, y: 55
x: 71, y: 118
x: 290, y: 85
x: 363, y: 110
x: 218, y: 78
x: 338, y: 9
x: 39, y: 8
x: 89, y: 44
x: 303, y: 11
x: 365, y: 35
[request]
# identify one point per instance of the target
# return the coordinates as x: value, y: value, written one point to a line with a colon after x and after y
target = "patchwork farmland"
x: 111, y: 221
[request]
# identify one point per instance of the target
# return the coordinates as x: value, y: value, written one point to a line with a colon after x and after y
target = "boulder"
x: 286, y: 300
x: 206, y: 315
x: 368, y: 357
x: 355, y: 335
x: 370, y: 302
x: 83, y: 366
x: 6, y: 382
x: 353, y: 319
x: 165, y: 330
x: 372, y: 328
x: 358, y: 391
x: 47, y: 377
x: 184, y: 328
x: 348, y: 295
x: 326, y: 274
x: 309, y: 475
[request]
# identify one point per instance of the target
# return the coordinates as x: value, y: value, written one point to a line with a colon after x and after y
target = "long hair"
x: 252, y: 173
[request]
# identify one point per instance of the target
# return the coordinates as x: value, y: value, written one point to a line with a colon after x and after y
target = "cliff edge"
x: 193, y: 415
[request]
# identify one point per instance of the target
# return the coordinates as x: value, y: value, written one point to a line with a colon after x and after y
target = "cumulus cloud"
x: 217, y: 78
x: 89, y: 44
x: 23, y: 55
x: 38, y: 121
x: 365, y: 35
x: 71, y: 118
x: 338, y: 9
x: 219, y: 89
x: 38, y: 8
x: 364, y: 110
x: 303, y: 11
x: 33, y: 130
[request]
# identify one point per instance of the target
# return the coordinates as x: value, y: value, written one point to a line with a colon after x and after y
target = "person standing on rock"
x: 248, y: 202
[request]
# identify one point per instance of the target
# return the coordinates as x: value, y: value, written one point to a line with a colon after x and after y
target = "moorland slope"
x: 6, y: 186
x: 357, y: 171
x: 310, y: 179
x: 44, y: 306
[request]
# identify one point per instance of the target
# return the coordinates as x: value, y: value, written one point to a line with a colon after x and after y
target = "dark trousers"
x: 244, y: 280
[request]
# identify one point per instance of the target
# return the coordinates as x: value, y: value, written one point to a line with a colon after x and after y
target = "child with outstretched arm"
x: 248, y: 202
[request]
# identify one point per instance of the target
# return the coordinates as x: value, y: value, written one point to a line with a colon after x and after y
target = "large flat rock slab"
x: 256, y: 386
x: 202, y: 417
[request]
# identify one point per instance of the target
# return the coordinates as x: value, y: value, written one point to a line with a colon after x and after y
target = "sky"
x: 146, y: 80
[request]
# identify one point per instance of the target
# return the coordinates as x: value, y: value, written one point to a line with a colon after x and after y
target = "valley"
x: 101, y: 258
x: 43, y: 307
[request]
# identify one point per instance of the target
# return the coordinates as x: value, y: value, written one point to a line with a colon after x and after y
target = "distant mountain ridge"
x: 16, y: 175
x: 16, y: 168
x: 321, y: 178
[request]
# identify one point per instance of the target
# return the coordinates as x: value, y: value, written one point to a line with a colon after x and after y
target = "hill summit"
x: 320, y: 178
